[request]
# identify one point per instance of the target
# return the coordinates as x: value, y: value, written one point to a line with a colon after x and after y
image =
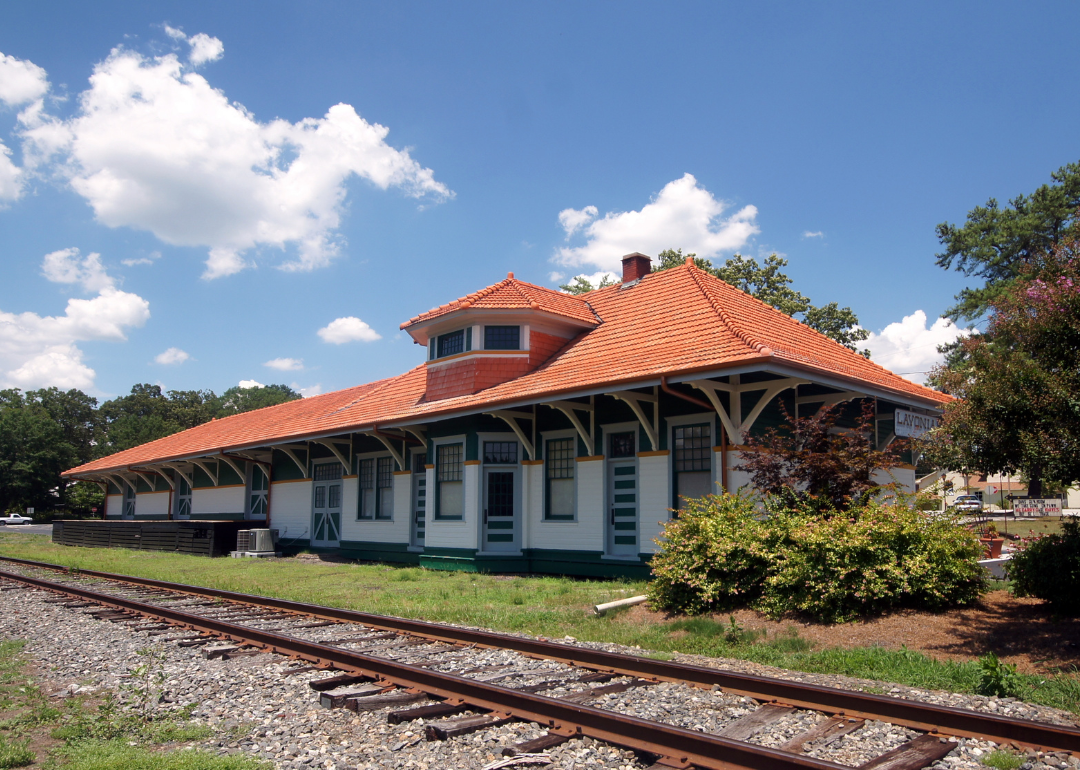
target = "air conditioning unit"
x: 261, y: 540
x: 244, y: 540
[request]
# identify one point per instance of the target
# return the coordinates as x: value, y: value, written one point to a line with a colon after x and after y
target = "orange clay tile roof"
x: 512, y: 294
x: 678, y: 321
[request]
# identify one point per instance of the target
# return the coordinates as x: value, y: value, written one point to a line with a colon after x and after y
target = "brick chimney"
x: 635, y: 266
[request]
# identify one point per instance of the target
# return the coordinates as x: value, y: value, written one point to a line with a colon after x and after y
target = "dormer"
x: 496, y: 335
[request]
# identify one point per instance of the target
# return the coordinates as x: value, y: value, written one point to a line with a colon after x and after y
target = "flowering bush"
x: 1048, y: 568
x: 723, y: 553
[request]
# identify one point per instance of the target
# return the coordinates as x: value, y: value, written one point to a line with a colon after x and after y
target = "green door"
x: 326, y: 506
x: 419, y: 500
x: 623, y: 496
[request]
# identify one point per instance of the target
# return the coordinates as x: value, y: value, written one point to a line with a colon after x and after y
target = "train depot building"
x: 544, y: 432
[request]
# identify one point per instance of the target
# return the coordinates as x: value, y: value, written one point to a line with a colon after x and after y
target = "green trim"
x: 364, y: 550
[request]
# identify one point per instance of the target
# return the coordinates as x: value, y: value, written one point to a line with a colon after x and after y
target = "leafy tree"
x: 147, y: 414
x: 582, y: 285
x: 236, y: 400
x: 1018, y: 410
x: 33, y: 453
x: 995, y: 242
x: 813, y: 464
x: 77, y: 415
x: 767, y: 283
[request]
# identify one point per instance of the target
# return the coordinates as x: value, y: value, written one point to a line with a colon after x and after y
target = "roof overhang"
x: 764, y: 364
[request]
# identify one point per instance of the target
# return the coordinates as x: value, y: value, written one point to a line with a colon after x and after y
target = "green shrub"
x: 1048, y: 568
x: 712, y: 558
x: 723, y: 553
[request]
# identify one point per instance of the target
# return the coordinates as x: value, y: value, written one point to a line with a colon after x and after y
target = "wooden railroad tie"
x: 754, y: 722
x: 913, y: 755
x: 543, y: 743
x: 824, y: 732
x: 452, y: 728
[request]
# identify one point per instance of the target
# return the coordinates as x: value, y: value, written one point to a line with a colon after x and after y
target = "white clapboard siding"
x: 587, y: 533
x: 381, y: 530
x: 114, y: 505
x: 654, y: 483
x: 151, y: 504
x: 290, y: 509
x: 455, y: 534
x: 904, y: 478
x: 217, y: 500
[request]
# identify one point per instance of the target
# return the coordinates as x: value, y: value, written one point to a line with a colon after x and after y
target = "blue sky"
x: 289, y: 182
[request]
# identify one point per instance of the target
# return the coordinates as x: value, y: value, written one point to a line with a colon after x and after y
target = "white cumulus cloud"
x: 40, y: 351
x: 348, y: 329
x: 909, y: 347
x: 21, y: 83
x: 245, y: 384
x: 286, y: 364
x: 308, y: 392
x: 172, y: 356
x: 813, y: 234
x: 683, y: 215
x: 573, y: 220
x: 66, y: 266
x: 154, y: 146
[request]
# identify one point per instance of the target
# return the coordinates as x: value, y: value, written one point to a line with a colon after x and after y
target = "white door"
x: 502, y: 529
x: 183, y: 499
x: 258, y: 491
x: 129, y: 502
x: 419, y: 500
x: 622, y: 495
x: 326, y: 506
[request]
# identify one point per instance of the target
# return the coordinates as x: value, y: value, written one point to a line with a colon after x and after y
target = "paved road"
x: 28, y: 529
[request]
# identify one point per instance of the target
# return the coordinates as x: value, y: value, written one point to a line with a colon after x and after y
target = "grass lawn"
x: 1046, y: 525
x: 544, y: 606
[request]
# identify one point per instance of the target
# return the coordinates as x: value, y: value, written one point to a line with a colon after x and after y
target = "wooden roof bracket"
x: 633, y: 400
x: 738, y: 428
x: 206, y: 469
x: 288, y: 452
x: 177, y: 469
x: 346, y: 464
x: 399, y: 457
x: 241, y: 472
x: 567, y: 408
x: 151, y: 484
x: 511, y: 419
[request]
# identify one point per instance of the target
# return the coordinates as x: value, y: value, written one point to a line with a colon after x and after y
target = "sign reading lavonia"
x: 913, y: 424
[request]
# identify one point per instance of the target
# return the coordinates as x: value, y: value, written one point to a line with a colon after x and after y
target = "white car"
x: 968, y: 503
x: 16, y: 518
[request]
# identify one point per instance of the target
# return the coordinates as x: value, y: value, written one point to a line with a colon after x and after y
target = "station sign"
x: 1037, y: 506
x: 913, y: 424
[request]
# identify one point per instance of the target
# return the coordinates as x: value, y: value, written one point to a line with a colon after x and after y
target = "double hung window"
x: 376, y: 499
x: 449, y: 481
x: 559, y: 465
x: 693, y: 463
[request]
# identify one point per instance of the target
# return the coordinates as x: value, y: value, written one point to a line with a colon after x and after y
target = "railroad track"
x: 386, y: 662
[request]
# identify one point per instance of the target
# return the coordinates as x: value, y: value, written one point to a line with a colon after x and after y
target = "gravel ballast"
x: 253, y: 707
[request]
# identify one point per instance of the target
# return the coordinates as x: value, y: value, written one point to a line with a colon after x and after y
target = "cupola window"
x: 452, y: 343
x: 502, y: 338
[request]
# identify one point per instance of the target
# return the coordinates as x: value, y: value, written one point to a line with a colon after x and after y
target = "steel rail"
x: 685, y: 747
x: 947, y: 720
